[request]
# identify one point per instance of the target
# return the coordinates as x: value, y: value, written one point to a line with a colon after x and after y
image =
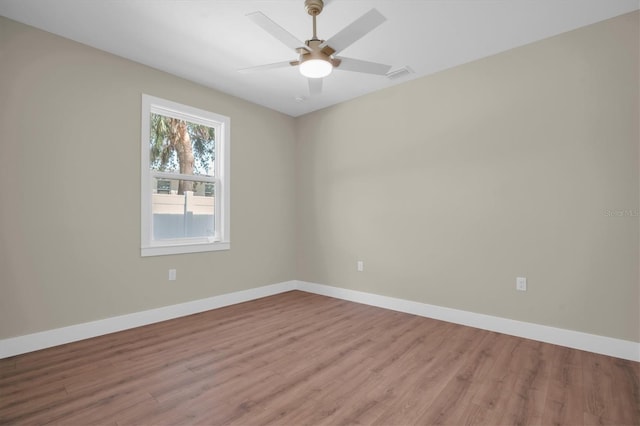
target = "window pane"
x: 180, y: 146
x: 182, y: 213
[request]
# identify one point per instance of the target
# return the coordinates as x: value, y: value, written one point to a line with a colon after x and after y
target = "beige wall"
x: 450, y: 186
x: 70, y: 135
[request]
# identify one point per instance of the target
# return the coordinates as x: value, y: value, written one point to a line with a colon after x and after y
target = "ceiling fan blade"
x: 354, y: 31
x: 276, y: 30
x: 315, y: 86
x: 350, y: 64
x: 265, y: 67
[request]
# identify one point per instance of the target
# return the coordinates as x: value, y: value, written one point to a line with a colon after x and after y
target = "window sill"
x: 183, y: 248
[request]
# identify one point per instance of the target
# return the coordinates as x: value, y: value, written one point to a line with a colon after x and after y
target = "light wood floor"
x: 298, y: 358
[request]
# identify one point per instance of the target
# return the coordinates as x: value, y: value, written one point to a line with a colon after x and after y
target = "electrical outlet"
x: 521, y: 284
x: 172, y: 274
x: 360, y: 266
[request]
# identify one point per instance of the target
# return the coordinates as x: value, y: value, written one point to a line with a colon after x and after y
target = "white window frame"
x: 222, y: 125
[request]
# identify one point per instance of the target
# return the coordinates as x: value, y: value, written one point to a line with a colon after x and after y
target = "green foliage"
x: 162, y: 146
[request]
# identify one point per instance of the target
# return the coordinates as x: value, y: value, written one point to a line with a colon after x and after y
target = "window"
x: 185, y: 179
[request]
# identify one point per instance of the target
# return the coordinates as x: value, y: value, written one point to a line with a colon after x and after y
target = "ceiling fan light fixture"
x: 315, y: 68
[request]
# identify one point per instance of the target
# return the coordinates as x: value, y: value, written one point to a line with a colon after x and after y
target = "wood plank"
x: 452, y: 402
x: 564, y: 402
x: 611, y: 394
x: 528, y: 393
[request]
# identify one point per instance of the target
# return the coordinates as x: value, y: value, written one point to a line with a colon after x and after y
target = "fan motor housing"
x: 316, y: 53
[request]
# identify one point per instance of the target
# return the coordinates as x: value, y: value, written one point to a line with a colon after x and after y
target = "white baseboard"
x: 59, y: 336
x: 573, y: 339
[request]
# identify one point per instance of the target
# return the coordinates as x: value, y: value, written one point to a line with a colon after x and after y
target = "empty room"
x: 306, y: 212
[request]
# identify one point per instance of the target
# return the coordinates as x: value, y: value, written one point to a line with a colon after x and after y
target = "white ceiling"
x: 207, y: 41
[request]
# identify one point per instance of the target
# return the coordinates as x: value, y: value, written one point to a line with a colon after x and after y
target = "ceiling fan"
x: 317, y: 58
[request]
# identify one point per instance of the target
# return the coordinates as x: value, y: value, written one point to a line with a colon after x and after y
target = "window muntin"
x: 185, y: 185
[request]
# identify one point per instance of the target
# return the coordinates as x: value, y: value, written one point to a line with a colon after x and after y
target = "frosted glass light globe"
x: 315, y: 68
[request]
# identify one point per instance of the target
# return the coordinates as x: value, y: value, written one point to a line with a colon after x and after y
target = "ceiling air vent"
x: 399, y: 72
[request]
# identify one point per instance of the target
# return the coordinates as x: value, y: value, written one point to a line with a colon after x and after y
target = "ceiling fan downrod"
x: 314, y: 8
